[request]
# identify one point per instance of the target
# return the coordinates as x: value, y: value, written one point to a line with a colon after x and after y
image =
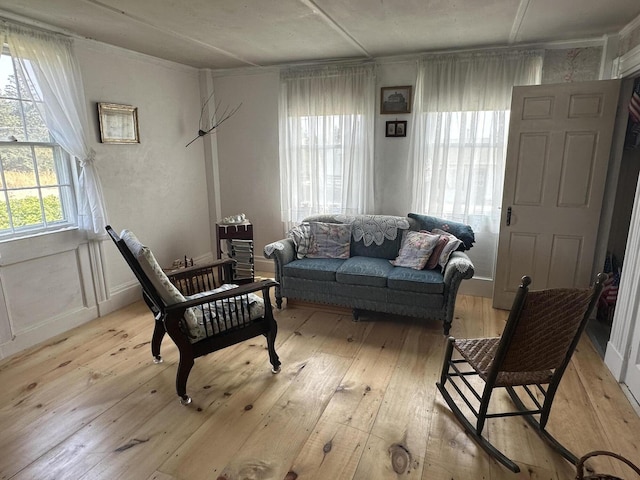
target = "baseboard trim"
x: 47, y: 330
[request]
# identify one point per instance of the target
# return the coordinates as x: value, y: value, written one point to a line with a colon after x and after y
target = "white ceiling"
x: 237, y: 33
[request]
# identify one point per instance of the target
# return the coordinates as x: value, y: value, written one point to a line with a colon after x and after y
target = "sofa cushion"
x: 313, y: 268
x: 462, y: 231
x: 364, y: 271
x: 416, y: 249
x: 421, y: 281
x: 329, y: 240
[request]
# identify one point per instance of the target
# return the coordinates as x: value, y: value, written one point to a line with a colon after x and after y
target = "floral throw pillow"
x: 452, y: 245
x: 301, y: 236
x: 415, y: 250
x: 329, y: 240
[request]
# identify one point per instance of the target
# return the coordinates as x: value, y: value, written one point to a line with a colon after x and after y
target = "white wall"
x: 157, y: 188
x: 248, y: 156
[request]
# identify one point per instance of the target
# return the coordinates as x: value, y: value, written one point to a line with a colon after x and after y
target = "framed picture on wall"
x: 396, y: 128
x: 118, y: 123
x: 394, y: 100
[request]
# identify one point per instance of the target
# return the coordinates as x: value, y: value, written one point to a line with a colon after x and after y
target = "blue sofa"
x: 367, y: 280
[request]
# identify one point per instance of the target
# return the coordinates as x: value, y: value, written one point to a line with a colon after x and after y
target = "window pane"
x: 11, y: 120
x: 36, y: 129
x: 4, y: 216
x: 8, y: 82
x: 46, y: 166
x: 25, y: 208
x: 52, y: 205
x: 17, y: 164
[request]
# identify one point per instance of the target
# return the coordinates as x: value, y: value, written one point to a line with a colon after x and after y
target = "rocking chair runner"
x: 202, y: 322
x: 541, y: 334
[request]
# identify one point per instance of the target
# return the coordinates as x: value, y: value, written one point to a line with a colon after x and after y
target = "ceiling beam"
x: 328, y: 19
x: 517, y: 21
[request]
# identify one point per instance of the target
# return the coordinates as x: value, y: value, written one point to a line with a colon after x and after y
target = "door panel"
x: 557, y: 158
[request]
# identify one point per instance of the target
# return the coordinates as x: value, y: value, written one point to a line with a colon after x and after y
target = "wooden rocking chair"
x: 529, y: 359
x: 201, y: 322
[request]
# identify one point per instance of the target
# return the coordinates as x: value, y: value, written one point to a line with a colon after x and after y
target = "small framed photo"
x: 395, y: 100
x: 391, y: 129
x: 397, y: 128
x: 118, y: 123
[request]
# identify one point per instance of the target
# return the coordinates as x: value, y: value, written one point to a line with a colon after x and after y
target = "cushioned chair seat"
x: 412, y: 280
x: 314, y: 268
x: 372, y: 272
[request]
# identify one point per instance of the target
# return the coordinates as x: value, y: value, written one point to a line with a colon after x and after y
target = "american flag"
x: 633, y: 126
x: 634, y: 103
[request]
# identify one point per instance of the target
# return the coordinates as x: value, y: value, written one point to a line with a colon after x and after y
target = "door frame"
x: 625, y: 319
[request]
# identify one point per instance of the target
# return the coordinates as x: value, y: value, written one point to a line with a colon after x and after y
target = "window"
x: 326, y: 119
x: 36, y: 186
x: 462, y: 108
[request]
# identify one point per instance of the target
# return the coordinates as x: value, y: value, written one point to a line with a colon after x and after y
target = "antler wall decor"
x: 206, y: 129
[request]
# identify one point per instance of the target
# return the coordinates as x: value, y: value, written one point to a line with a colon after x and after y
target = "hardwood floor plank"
x: 226, y: 430
x: 358, y: 397
x: 271, y: 449
x: 399, y: 435
x: 333, y: 451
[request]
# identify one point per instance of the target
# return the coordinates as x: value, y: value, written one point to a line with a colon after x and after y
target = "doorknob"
x: 508, y: 216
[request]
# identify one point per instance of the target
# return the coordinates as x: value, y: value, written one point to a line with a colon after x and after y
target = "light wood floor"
x: 353, y: 401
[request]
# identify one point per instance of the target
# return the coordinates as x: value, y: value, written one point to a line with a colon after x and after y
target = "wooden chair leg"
x: 156, y: 340
x: 184, y: 368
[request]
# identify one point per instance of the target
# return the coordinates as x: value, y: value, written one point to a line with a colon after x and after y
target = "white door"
x: 557, y: 157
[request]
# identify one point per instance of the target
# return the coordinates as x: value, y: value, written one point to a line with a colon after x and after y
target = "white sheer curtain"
x: 326, y: 120
x: 459, y: 139
x: 53, y: 75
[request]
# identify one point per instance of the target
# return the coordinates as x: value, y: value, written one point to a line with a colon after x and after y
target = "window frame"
x: 64, y: 166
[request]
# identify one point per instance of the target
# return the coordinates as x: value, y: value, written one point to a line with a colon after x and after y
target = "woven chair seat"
x: 479, y: 353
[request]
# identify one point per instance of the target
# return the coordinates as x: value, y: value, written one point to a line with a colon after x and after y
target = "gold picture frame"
x: 118, y: 123
x: 395, y: 100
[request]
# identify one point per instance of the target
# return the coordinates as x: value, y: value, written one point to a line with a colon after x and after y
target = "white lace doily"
x: 374, y: 228
x: 271, y: 247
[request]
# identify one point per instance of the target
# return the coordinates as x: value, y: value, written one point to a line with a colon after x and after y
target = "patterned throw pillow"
x: 329, y: 240
x: 460, y: 230
x: 452, y: 245
x: 434, y: 258
x: 301, y: 236
x: 416, y: 249
x: 167, y: 290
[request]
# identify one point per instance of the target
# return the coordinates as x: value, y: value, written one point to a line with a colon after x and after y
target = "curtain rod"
x: 26, y: 24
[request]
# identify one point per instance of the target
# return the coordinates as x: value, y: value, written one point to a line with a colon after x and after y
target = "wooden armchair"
x: 200, y: 322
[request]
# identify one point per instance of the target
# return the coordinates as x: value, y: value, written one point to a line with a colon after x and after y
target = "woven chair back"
x: 547, y: 325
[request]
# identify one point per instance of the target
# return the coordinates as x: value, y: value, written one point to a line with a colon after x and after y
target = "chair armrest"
x: 263, y: 285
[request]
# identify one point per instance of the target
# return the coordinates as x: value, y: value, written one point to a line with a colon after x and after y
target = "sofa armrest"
x: 458, y: 268
x: 281, y: 252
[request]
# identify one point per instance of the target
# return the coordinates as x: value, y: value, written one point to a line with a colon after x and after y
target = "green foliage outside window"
x: 26, y: 211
